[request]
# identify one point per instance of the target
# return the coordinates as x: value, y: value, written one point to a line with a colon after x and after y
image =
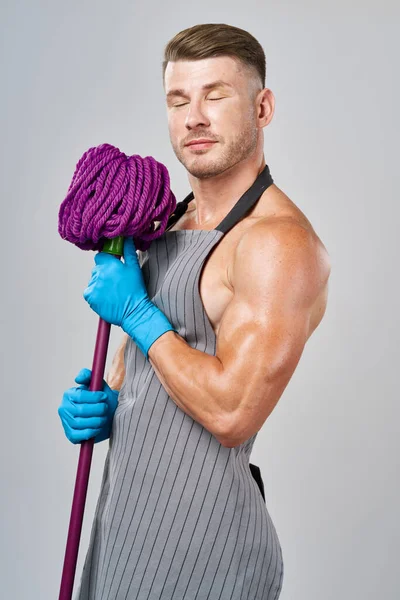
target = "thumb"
x: 130, y: 256
x: 84, y: 376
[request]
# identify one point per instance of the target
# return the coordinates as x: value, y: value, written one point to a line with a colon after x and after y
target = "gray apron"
x: 179, y: 516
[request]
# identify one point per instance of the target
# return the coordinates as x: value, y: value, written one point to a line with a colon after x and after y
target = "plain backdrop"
x: 79, y: 73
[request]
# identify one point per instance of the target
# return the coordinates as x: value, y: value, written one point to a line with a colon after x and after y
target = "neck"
x: 214, y: 197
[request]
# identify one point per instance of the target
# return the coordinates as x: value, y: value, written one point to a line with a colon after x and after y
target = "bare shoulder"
x: 279, y: 243
x: 279, y: 239
x: 278, y: 215
x: 277, y: 220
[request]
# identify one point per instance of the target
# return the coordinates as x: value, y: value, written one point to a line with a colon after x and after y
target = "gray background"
x: 77, y: 74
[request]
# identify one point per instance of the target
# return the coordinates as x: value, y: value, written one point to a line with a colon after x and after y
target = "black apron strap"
x: 242, y: 206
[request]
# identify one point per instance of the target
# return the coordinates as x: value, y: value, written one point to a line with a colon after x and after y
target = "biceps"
x: 260, y: 345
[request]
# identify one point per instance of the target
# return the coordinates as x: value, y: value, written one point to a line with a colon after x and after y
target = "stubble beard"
x: 203, y: 167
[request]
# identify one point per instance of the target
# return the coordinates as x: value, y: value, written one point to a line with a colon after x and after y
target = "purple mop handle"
x: 83, y: 471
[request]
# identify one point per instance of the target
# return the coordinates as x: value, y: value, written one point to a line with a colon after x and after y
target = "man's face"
x: 224, y: 113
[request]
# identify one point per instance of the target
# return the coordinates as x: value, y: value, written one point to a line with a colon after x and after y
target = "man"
x: 218, y: 315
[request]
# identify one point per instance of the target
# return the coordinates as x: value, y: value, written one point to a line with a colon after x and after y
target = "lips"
x: 200, y: 142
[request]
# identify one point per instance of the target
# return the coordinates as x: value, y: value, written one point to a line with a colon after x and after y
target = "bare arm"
x: 116, y: 374
x: 278, y: 272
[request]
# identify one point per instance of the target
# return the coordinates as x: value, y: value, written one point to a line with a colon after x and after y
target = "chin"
x: 205, y: 169
x: 201, y: 165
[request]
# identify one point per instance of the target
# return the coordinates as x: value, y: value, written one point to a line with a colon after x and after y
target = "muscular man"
x: 240, y: 278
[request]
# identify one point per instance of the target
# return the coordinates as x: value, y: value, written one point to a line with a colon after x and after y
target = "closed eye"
x: 183, y: 104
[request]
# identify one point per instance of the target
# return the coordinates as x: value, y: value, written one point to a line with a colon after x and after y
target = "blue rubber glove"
x: 117, y: 293
x: 85, y: 414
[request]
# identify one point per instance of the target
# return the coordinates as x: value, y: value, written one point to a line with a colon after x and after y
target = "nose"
x: 196, y: 117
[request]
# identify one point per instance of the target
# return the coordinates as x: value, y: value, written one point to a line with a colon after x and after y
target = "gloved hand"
x: 117, y: 293
x: 85, y: 414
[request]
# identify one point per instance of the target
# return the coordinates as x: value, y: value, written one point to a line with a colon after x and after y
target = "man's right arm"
x: 116, y: 374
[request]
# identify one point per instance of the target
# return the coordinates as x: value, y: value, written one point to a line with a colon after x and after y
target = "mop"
x: 111, y: 196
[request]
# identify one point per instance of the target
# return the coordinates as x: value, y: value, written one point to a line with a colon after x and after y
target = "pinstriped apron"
x: 179, y: 516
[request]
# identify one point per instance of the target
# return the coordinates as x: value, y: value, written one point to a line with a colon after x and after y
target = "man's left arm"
x: 278, y: 271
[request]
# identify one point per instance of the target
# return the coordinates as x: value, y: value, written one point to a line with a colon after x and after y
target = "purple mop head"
x: 112, y: 194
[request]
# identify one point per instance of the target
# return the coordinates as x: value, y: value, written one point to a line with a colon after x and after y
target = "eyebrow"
x: 206, y: 86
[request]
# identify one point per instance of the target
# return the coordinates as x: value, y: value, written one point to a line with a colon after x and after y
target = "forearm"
x: 116, y: 374
x: 195, y: 380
